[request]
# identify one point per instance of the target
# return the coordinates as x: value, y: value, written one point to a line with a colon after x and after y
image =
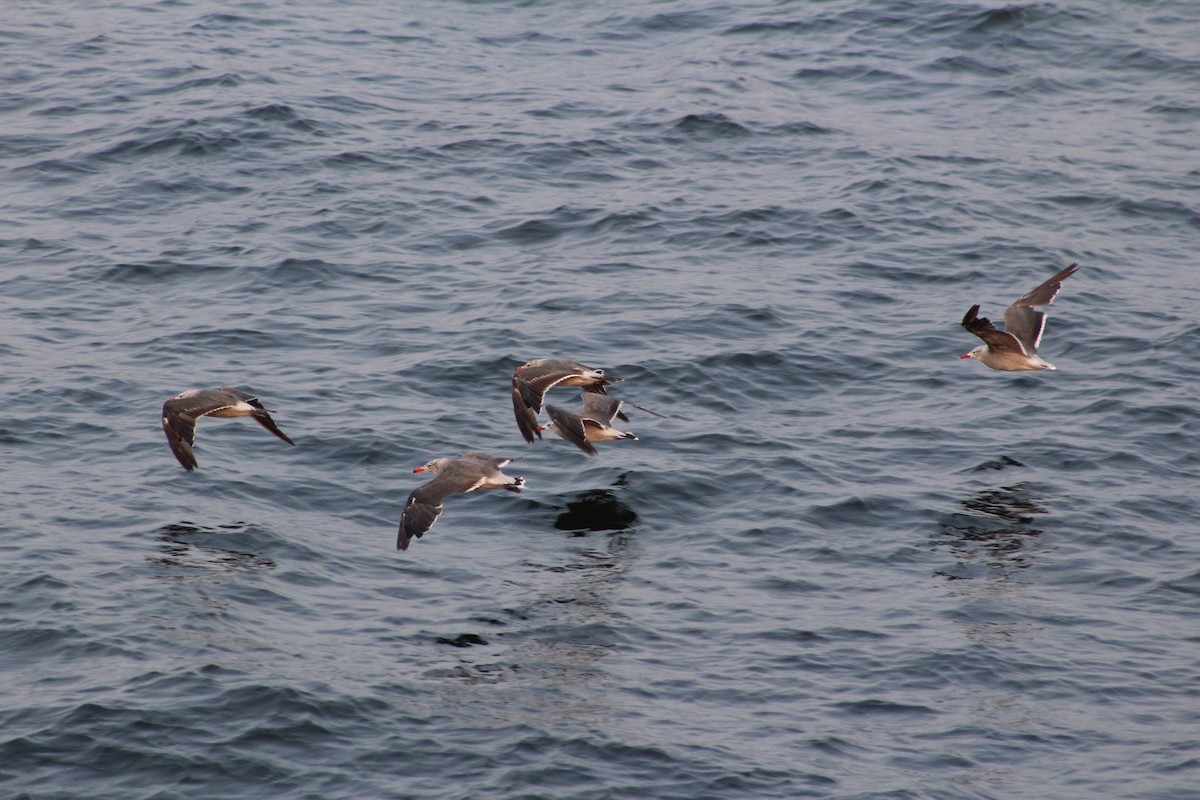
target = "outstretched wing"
x: 570, y: 427
x: 535, y: 381
x: 181, y: 435
x: 418, y: 516
x: 1024, y: 321
x: 997, y: 341
x: 526, y: 417
x: 263, y: 417
x: 600, y: 407
x: 486, y: 458
x: 180, y: 415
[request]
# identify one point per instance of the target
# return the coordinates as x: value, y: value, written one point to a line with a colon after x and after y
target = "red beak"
x: 965, y: 355
x: 418, y: 469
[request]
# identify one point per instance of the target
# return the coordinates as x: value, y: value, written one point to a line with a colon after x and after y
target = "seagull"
x: 1015, y: 348
x: 591, y: 424
x: 531, y: 381
x: 465, y: 474
x: 183, y: 411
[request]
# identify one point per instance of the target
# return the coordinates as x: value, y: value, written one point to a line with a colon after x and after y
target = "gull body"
x: 182, y: 412
x: 591, y: 424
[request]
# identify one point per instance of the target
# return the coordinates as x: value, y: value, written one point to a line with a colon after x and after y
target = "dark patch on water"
x: 462, y: 640
x: 992, y: 532
x: 1003, y: 462
x: 596, y: 510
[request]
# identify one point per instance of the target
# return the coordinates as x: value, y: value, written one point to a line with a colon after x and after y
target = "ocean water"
x: 844, y: 563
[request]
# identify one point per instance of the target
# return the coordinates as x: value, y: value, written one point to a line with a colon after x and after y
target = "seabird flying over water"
x: 1015, y: 348
x: 531, y: 381
x: 468, y: 473
x: 592, y: 423
x: 183, y: 411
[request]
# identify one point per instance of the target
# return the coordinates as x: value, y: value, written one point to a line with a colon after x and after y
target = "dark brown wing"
x: 181, y: 435
x: 263, y: 417
x: 997, y: 341
x: 530, y: 383
x: 535, y: 381
x: 179, y: 418
x: 570, y: 427
x: 526, y: 418
x: 418, y: 516
x: 424, y: 506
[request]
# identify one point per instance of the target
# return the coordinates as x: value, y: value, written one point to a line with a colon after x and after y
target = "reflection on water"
x: 564, y: 626
x: 990, y: 536
x: 197, y: 565
x: 596, y: 510
x: 191, y: 551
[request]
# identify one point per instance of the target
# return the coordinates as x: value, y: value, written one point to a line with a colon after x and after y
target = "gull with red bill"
x: 470, y: 472
x: 1014, y: 349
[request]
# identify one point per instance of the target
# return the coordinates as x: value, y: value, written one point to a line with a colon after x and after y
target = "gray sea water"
x: 845, y: 564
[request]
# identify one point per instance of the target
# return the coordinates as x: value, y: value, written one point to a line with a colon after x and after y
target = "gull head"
x: 436, y: 466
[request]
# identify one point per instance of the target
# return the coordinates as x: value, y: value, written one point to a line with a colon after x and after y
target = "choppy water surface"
x: 847, y: 564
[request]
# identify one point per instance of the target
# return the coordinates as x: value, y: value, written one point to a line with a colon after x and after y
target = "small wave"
x: 572, y: 219
x: 774, y: 26
x: 877, y: 707
x: 850, y: 72
x: 968, y: 65
x: 156, y: 273
x: 1011, y: 17
x: 223, y: 21
x: 232, y: 339
x: 223, y: 80
x: 711, y: 125
x: 669, y: 22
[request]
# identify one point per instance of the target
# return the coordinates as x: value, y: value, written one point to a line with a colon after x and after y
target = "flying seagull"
x: 183, y: 411
x: 465, y: 474
x: 592, y: 423
x: 531, y: 381
x: 1015, y: 348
